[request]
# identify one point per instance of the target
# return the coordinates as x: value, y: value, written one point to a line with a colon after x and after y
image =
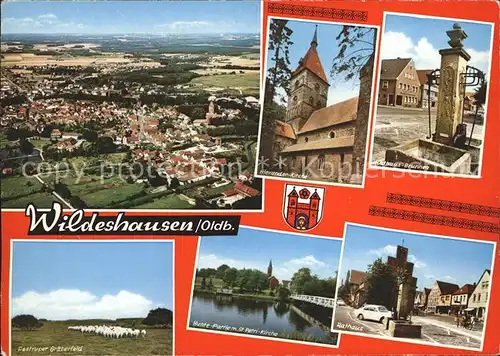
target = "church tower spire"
x: 308, y: 87
x: 270, y: 268
x: 314, y: 42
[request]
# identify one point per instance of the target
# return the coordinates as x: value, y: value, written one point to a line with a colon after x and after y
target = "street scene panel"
x: 317, y: 99
x: 93, y: 298
x: 157, y: 112
x: 402, y: 286
x: 432, y: 95
x: 266, y: 284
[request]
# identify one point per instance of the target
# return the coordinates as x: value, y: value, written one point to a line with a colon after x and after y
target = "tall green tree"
x: 230, y: 276
x: 381, y: 284
x: 356, y: 50
x: 279, y: 43
x: 221, y: 270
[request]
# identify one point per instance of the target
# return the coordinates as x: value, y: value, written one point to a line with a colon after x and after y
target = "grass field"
x: 56, y: 333
x: 94, y: 191
x: 18, y: 192
x: 246, y: 80
x: 171, y: 201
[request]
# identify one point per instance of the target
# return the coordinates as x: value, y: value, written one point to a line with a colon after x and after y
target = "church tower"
x: 308, y: 87
x: 270, y: 269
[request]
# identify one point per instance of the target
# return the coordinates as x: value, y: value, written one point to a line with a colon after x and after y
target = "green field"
x: 245, y: 80
x: 168, y: 202
x: 19, y: 191
x: 56, y: 333
x: 94, y: 191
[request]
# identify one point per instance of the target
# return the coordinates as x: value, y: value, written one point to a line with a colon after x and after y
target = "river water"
x: 269, y: 316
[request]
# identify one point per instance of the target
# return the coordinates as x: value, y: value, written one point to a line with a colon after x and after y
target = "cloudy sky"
x: 101, y: 17
x: 254, y: 248
x: 86, y: 280
x: 449, y: 260
x: 421, y: 38
x: 328, y: 48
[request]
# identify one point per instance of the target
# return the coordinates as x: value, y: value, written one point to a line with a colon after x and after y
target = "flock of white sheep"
x: 116, y: 332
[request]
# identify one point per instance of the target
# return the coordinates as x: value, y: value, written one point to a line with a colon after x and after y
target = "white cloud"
x: 307, y: 261
x: 429, y: 276
x: 182, y: 26
x: 423, y: 53
x: 390, y: 250
x: 416, y: 262
x: 450, y: 278
x: 384, y: 251
x: 47, y: 16
x: 65, y: 304
x: 213, y: 261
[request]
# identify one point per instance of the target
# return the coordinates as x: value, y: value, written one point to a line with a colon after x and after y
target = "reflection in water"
x: 300, y: 323
x: 269, y: 316
x: 281, y: 308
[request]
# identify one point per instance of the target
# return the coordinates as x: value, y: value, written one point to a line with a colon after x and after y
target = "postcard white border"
x: 370, y: 116
x: 488, y: 81
x: 97, y: 241
x: 400, y: 340
x: 255, y: 336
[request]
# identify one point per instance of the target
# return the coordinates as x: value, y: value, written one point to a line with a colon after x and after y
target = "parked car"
x: 373, y: 312
x: 340, y: 302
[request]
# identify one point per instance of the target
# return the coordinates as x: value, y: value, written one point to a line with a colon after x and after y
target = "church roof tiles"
x: 285, y: 130
x: 332, y: 115
x: 312, y: 62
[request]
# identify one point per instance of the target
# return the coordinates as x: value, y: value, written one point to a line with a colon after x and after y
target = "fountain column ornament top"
x: 450, y: 96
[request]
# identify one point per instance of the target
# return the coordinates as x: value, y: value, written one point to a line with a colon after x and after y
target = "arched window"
x: 306, y: 139
x: 316, y: 86
x: 332, y: 134
x: 311, y: 100
x: 297, y: 83
x: 342, y: 157
x: 295, y: 99
x: 321, y: 162
x: 318, y: 104
x: 277, y: 147
x: 294, y: 161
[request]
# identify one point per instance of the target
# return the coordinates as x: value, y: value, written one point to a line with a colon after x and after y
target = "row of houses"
x: 442, y: 298
x: 401, y: 84
x: 450, y: 298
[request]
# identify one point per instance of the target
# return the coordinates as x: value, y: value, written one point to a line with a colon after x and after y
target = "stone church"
x: 315, y: 140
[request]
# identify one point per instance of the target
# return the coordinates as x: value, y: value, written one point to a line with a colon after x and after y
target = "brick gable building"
x: 399, y: 84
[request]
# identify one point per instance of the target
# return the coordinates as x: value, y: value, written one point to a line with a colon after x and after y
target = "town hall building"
x: 314, y: 139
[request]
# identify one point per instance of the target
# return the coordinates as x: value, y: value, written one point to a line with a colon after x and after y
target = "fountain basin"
x: 403, y: 328
x: 429, y: 156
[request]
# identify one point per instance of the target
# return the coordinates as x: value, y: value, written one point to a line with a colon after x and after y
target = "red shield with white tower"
x: 303, y: 206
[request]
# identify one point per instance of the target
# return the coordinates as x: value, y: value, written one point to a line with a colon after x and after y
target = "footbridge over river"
x: 323, y: 301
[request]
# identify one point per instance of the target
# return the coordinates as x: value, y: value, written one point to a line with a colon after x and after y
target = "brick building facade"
x: 399, y: 84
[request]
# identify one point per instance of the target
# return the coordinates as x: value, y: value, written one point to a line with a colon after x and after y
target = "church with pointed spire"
x: 273, y: 281
x: 312, y: 137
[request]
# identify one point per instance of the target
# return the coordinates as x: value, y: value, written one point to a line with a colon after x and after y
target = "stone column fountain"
x: 442, y: 153
x: 450, y: 96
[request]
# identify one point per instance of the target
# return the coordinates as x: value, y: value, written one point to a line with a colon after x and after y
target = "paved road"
x: 433, y: 332
x: 395, y: 126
